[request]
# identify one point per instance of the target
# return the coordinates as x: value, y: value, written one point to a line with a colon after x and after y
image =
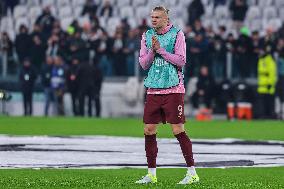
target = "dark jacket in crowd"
x: 23, y: 44
x: 239, y: 9
x: 195, y: 11
x: 27, y: 77
x: 46, y: 75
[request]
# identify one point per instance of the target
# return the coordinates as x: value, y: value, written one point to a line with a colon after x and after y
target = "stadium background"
x: 227, y: 40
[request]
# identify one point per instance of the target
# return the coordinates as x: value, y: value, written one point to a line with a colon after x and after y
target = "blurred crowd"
x: 63, y: 59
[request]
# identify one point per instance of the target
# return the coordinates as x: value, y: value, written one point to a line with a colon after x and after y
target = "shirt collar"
x: 166, y: 29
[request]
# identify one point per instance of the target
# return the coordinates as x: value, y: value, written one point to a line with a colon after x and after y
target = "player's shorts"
x: 166, y: 108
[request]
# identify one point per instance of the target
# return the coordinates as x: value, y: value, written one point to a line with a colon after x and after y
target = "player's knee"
x: 177, y: 130
x: 149, y: 131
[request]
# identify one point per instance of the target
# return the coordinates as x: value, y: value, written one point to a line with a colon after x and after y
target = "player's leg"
x: 174, y: 112
x: 152, y: 116
x: 186, y: 148
x: 151, y: 150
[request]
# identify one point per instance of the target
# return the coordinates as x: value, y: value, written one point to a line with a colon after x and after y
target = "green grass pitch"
x: 239, y: 178
x: 248, y: 130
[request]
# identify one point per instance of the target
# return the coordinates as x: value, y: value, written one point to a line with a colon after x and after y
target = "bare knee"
x: 177, y: 129
x: 150, y: 130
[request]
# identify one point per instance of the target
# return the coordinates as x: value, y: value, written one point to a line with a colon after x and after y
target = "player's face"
x: 159, y: 19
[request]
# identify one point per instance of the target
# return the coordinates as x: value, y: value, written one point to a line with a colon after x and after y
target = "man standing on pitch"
x: 163, y: 53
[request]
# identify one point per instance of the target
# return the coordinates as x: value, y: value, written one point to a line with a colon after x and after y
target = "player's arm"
x: 146, y: 56
x: 179, y: 56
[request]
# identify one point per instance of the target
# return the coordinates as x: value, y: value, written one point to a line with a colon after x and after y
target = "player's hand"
x: 155, y: 43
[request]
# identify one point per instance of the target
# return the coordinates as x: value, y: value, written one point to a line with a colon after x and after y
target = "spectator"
x: 86, y: 87
x: 267, y: 78
x: 195, y: 11
x: 131, y: 45
x: 256, y: 51
x: 204, y: 89
x: 239, y: 9
x: 73, y: 85
x: 198, y: 28
x: 198, y: 49
x: 7, y: 46
x: 23, y: 43
x: 119, y: 58
x: 219, y: 58
x: 219, y: 2
x: 77, y: 47
x: 58, y: 76
x: 243, y: 54
x: 102, y: 46
x: 98, y: 79
x: 45, y: 21
x: 27, y: 79
x: 90, y: 8
x: 38, y: 49
x: 46, y: 71
x: 107, y: 9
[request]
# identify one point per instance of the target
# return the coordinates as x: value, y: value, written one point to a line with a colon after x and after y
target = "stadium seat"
x: 265, y: 3
x: 184, y: 3
x: 76, y: 3
x: 53, y: 10
x: 20, y: 11
x: 83, y: 19
x: 113, y: 22
x: 45, y: 3
x: 154, y: 3
x: 7, y: 23
x: 103, y: 21
x: 269, y: 12
x: 126, y: 12
x: 142, y: 12
x: 35, y: 11
x: 176, y: 12
x: 221, y: 12
x: 63, y: 3
x: 65, y: 22
x: 32, y: 3
x: 133, y: 22
x: 170, y: 3
x: 279, y: 3
x: 253, y: 13
x: 136, y: 3
x: 65, y: 11
x: 78, y: 11
x: 123, y: 3
x: 21, y: 21
x: 281, y: 13
x: 256, y: 24
x: 252, y: 2
x: 209, y: 10
x: 179, y: 23
x: 275, y: 23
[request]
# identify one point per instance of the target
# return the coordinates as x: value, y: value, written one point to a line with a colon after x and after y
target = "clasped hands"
x: 155, y: 44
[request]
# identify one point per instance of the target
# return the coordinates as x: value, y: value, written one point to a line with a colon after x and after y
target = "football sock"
x: 151, y: 150
x: 152, y: 171
x: 186, y: 148
x: 191, y: 170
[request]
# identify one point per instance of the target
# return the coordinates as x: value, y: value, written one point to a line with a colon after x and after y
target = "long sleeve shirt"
x: 178, y: 58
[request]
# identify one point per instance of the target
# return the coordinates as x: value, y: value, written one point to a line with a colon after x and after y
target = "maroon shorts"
x: 167, y: 108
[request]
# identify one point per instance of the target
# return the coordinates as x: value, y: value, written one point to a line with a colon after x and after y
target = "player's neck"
x: 161, y: 29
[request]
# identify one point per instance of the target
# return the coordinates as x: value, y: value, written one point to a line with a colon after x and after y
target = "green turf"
x: 250, y: 130
x: 238, y: 178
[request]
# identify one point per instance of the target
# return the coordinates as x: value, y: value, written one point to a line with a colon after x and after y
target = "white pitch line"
x: 110, y: 152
